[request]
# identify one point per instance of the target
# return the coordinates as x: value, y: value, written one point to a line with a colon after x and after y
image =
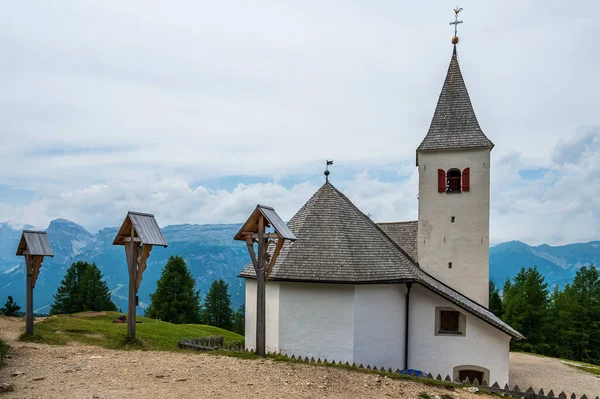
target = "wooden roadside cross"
x: 138, y: 234
x: 34, y: 245
x: 254, y: 231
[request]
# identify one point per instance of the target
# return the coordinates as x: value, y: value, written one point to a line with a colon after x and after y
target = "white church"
x: 406, y: 295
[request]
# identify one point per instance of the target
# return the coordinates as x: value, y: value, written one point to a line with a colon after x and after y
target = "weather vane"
x: 455, y: 23
x: 327, y: 163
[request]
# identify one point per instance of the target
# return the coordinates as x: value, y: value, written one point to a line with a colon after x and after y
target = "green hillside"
x: 94, y: 329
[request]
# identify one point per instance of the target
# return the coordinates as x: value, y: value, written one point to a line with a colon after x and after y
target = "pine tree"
x: 175, y: 299
x: 10, y: 308
x: 82, y: 289
x: 217, y: 304
x: 239, y: 320
x: 577, y: 313
x: 495, y: 300
x: 525, y: 307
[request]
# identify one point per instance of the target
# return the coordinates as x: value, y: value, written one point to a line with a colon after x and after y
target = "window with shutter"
x: 466, y: 179
x: 453, y: 181
x: 441, y: 181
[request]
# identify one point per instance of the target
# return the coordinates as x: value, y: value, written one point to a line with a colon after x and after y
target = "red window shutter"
x: 466, y: 179
x: 441, y: 181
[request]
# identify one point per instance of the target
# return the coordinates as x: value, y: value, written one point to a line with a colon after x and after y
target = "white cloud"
x: 149, y: 97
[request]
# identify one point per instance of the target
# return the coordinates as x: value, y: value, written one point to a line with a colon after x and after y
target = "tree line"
x: 176, y: 299
x: 559, y: 323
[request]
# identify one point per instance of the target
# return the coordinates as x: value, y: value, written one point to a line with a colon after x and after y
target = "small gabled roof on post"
x: 34, y: 243
x: 273, y: 220
x: 145, y: 228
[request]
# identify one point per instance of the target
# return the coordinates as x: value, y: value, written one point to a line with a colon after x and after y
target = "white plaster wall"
x: 482, y: 345
x: 465, y: 242
x: 271, y: 316
x: 317, y: 320
x: 379, y: 319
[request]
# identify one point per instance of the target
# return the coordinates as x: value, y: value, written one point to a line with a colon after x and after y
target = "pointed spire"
x: 454, y: 124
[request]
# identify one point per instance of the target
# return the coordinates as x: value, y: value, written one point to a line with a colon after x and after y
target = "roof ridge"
x: 403, y: 222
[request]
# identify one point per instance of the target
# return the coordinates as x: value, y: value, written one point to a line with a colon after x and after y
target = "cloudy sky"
x: 198, y: 110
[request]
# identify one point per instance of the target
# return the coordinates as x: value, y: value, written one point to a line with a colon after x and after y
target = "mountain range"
x: 211, y: 253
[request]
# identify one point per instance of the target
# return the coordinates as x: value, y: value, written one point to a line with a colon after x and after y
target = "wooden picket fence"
x: 210, y: 343
x: 217, y: 343
x: 483, y: 386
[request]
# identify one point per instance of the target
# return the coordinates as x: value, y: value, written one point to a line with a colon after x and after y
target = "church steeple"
x: 454, y: 191
x: 454, y: 124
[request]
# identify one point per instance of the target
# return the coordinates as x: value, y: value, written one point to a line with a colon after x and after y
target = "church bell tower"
x: 454, y: 191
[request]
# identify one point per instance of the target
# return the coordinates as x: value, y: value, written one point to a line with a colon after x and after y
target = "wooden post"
x: 29, y: 262
x: 260, y: 290
x: 131, y: 253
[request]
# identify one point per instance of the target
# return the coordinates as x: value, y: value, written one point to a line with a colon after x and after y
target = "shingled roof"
x: 405, y: 234
x: 337, y: 243
x: 454, y: 124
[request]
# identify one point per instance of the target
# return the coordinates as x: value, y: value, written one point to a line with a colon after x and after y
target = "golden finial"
x: 455, y: 23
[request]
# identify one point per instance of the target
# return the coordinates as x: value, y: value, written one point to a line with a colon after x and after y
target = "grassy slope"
x: 99, y: 330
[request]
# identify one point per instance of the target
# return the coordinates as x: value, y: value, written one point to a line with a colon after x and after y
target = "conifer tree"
x: 495, y: 300
x: 82, y: 289
x: 239, y: 320
x: 175, y: 299
x: 525, y: 307
x: 217, y: 305
x: 576, y: 312
x: 10, y: 308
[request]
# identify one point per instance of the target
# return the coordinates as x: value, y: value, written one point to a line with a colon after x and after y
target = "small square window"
x: 449, y: 265
x: 449, y: 322
x: 452, y: 219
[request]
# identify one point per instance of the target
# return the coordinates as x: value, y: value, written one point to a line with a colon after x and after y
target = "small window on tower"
x: 452, y: 219
x: 449, y: 265
x: 453, y: 181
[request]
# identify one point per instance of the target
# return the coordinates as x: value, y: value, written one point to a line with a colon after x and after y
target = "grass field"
x: 100, y: 330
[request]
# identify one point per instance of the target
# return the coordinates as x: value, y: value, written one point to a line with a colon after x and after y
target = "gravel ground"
x: 550, y: 373
x: 79, y: 371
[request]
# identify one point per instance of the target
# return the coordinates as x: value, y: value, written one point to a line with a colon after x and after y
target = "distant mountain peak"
x: 67, y: 225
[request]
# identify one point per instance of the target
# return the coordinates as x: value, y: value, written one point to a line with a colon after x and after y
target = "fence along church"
x: 405, y: 295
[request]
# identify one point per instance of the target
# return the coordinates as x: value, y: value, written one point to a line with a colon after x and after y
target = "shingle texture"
x: 35, y: 243
x: 337, y: 243
x: 272, y: 219
x: 145, y: 226
x: 405, y: 234
x: 454, y: 124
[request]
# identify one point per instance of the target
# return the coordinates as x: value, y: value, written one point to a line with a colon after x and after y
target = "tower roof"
x: 454, y: 124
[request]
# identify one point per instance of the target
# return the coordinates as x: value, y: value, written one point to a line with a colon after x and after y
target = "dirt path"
x: 78, y: 371
x: 550, y: 373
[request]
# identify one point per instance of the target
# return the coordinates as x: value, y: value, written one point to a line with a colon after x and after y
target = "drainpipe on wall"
x: 408, y: 286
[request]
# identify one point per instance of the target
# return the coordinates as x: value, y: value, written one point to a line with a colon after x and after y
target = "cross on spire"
x: 455, y: 23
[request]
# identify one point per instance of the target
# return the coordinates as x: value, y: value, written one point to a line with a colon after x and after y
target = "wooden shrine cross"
x: 254, y: 231
x: 138, y: 234
x: 34, y: 245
